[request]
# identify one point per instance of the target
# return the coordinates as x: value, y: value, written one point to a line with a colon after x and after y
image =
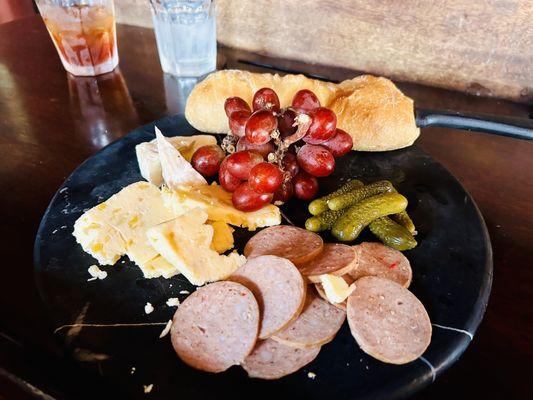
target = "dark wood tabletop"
x: 50, y: 122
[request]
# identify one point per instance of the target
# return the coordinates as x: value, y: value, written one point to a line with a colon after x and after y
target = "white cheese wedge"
x: 118, y: 226
x: 336, y: 288
x: 177, y: 171
x: 148, y: 155
x: 185, y: 242
x: 214, y: 200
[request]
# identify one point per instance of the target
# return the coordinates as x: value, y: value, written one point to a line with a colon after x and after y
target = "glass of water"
x: 186, y: 36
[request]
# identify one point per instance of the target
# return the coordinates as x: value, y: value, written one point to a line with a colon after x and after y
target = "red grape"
x: 206, y: 159
x: 241, y: 162
x: 259, y: 126
x: 290, y: 164
x: 226, y: 179
x: 265, y: 99
x: 263, y: 149
x: 284, y: 193
x: 237, y: 122
x: 244, y: 198
x: 265, y: 178
x: 305, y: 100
x: 324, y: 122
x: 233, y: 104
x: 286, y: 121
x: 316, y: 160
x: 305, y: 186
x: 340, y: 144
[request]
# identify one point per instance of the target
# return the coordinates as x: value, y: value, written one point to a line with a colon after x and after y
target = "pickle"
x: 320, y: 205
x: 323, y: 221
x: 358, y: 216
x: 354, y: 196
x: 405, y: 220
x: 392, y: 234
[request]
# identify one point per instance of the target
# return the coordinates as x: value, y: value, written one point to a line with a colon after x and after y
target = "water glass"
x: 83, y: 32
x: 186, y: 36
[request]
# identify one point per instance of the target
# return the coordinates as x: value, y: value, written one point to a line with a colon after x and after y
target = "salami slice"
x: 318, y: 324
x: 273, y: 360
x: 278, y: 287
x: 216, y: 326
x: 335, y: 258
x: 388, y: 321
x: 295, y: 244
x: 376, y: 259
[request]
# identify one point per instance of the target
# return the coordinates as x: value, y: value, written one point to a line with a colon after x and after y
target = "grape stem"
x: 303, y: 122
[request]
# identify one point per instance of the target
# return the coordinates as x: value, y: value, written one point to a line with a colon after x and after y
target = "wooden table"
x: 50, y: 123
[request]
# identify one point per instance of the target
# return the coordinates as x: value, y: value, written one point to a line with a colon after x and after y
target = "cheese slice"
x: 177, y: 171
x: 222, y: 236
x: 214, y: 200
x: 118, y: 226
x: 148, y: 155
x: 185, y: 242
x: 336, y: 288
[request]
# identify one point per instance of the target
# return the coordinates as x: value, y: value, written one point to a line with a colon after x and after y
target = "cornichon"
x: 392, y: 234
x: 354, y: 196
x: 405, y: 220
x: 353, y: 221
x: 323, y: 221
x: 320, y: 205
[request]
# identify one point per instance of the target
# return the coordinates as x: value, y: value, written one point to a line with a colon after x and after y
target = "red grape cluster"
x: 267, y: 165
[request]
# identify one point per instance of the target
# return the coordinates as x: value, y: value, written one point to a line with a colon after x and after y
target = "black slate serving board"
x: 452, y: 275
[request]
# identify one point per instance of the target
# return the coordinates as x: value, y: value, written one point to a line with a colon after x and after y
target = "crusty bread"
x: 372, y: 110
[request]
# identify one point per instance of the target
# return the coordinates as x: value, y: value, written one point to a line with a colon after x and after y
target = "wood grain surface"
x: 50, y: 123
x: 481, y: 47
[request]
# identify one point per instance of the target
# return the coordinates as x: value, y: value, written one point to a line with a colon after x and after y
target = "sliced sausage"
x: 273, y: 360
x: 278, y: 287
x: 216, y: 326
x: 376, y: 259
x: 318, y: 324
x: 295, y: 244
x: 388, y: 321
x: 335, y: 258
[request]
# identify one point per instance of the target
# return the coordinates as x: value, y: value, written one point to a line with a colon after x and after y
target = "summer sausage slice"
x: 295, y: 244
x: 216, y: 326
x: 376, y: 259
x: 335, y: 258
x: 278, y: 287
x: 318, y: 324
x: 273, y: 360
x: 388, y: 321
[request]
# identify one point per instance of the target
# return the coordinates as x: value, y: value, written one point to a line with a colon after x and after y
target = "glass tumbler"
x: 186, y: 36
x: 83, y: 32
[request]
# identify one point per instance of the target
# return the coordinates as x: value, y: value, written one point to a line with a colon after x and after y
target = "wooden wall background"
x: 483, y: 47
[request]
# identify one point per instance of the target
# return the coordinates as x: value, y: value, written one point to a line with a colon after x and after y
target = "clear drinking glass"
x: 186, y: 36
x: 83, y: 32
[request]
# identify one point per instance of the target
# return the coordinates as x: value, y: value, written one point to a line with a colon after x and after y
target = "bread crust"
x: 372, y: 110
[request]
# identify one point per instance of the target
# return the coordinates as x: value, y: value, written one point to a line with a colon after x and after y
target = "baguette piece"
x: 372, y: 110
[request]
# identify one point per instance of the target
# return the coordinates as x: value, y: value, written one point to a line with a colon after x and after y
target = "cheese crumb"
x: 148, y: 308
x: 148, y: 388
x: 165, y: 331
x: 96, y: 273
x: 173, y: 302
x: 311, y: 375
x: 132, y: 371
x: 184, y: 292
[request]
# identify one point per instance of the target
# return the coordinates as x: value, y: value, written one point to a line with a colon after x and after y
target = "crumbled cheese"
x: 173, y: 302
x: 148, y: 308
x: 132, y: 371
x: 184, y: 292
x: 165, y: 331
x: 96, y: 273
x: 311, y: 375
x: 148, y: 388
